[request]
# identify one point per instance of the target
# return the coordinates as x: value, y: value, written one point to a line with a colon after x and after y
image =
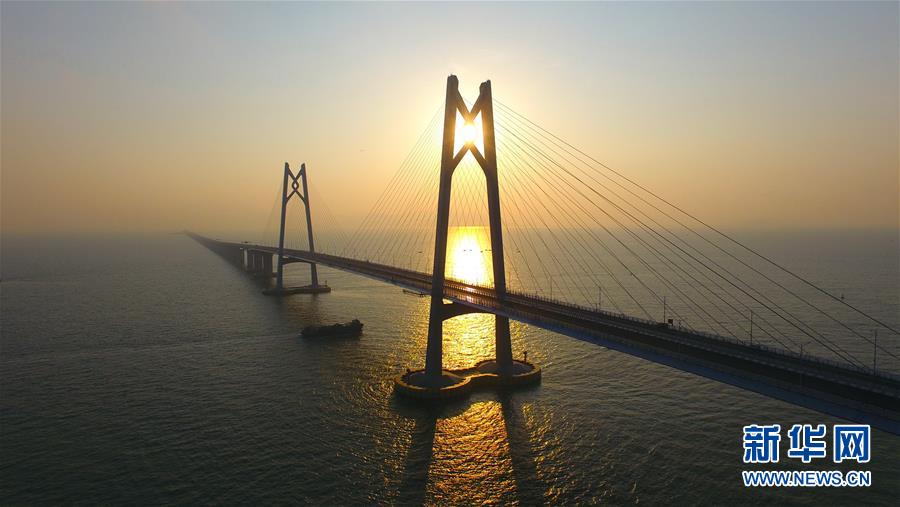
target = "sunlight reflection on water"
x: 469, y: 255
x: 468, y: 339
x: 471, y: 448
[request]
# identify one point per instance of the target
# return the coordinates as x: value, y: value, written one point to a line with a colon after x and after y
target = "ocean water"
x: 147, y: 370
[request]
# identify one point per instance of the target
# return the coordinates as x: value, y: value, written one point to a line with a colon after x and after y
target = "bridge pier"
x: 250, y: 262
x: 434, y: 381
x: 245, y: 260
x: 295, y: 181
x: 255, y: 263
x: 259, y: 263
x: 267, y: 264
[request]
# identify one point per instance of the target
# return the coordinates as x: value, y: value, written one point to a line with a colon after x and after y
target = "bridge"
x: 784, y: 359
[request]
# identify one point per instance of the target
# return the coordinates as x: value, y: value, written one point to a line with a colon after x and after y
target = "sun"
x: 469, y: 258
x: 468, y: 133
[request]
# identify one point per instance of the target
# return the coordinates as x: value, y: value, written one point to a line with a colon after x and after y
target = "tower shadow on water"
x: 505, y: 445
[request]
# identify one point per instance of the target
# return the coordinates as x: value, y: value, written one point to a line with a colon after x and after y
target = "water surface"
x: 148, y: 370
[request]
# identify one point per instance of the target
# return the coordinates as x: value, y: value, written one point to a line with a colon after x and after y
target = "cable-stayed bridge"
x: 581, y: 249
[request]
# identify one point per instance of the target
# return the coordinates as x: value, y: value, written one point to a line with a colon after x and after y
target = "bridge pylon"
x: 295, y: 182
x: 434, y: 381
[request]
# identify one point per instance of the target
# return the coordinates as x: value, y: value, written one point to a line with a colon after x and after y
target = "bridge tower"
x: 434, y: 381
x: 295, y: 181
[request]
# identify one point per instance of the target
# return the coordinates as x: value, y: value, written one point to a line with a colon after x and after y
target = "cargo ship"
x: 352, y: 328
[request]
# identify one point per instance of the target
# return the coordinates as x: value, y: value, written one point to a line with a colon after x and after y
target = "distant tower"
x: 449, y: 161
x: 295, y: 182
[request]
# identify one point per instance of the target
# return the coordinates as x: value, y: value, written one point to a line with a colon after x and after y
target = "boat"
x: 352, y: 328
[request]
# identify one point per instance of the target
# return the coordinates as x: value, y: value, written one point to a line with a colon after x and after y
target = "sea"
x: 146, y: 370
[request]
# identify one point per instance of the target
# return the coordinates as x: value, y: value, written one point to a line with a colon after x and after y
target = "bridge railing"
x: 567, y: 307
x: 579, y: 311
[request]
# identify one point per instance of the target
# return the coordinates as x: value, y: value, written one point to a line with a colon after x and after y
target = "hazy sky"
x: 164, y: 116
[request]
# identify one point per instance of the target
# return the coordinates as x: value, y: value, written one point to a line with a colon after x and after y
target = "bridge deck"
x: 833, y: 388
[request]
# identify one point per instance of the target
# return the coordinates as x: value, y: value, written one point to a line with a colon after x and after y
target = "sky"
x: 133, y: 117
